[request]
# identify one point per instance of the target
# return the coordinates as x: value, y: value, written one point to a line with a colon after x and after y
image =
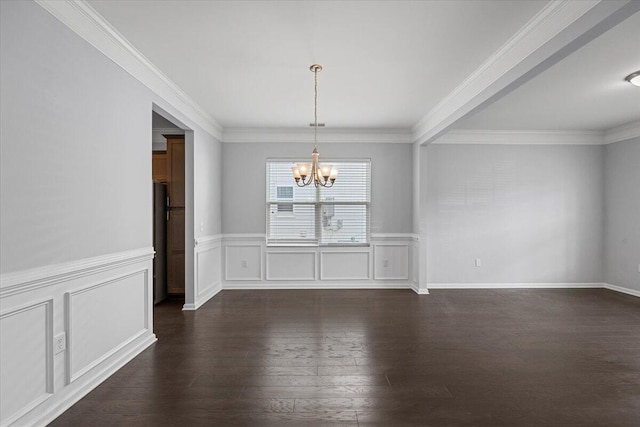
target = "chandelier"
x: 323, y: 175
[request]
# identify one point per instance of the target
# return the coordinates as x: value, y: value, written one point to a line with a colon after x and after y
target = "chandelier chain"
x: 315, y: 108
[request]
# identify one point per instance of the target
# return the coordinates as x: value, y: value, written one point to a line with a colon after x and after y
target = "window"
x: 284, y: 193
x: 319, y: 216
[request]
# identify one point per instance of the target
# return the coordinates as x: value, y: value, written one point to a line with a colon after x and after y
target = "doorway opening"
x: 169, y: 209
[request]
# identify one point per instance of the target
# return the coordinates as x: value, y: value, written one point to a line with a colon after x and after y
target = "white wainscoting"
x: 345, y: 264
x: 243, y: 261
x: 208, y: 271
x: 291, y: 265
x: 26, y: 356
x: 391, y: 261
x: 101, y: 306
x: 250, y: 264
x: 415, y: 263
x: 104, y: 317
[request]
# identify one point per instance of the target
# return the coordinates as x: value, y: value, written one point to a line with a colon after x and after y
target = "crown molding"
x: 85, y: 21
x: 560, y: 28
x: 521, y: 137
x: 331, y: 135
x: 622, y: 133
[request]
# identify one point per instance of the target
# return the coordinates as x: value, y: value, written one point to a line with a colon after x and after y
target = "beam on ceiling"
x: 560, y: 28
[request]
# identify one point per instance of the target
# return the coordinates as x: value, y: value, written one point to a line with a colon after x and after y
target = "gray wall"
x: 243, y: 189
x: 622, y: 214
x: 207, y: 185
x: 75, y: 149
x: 530, y: 213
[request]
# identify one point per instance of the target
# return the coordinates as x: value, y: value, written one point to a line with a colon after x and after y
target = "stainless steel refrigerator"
x: 159, y: 241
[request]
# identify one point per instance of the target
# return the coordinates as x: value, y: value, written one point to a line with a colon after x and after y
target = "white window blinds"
x: 319, y: 216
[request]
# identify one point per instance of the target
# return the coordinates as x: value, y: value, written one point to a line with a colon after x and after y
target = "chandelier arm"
x: 305, y: 182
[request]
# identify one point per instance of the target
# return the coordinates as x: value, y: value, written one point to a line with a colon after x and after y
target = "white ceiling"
x: 585, y: 91
x: 386, y: 63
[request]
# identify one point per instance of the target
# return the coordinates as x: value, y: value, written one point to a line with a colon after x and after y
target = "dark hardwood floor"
x: 384, y: 358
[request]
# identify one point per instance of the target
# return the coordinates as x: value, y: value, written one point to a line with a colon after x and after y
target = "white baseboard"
x: 534, y: 286
x: 513, y: 285
x: 97, y: 379
x: 417, y: 290
x: 201, y: 299
x: 616, y: 288
x: 318, y: 285
x: 406, y: 285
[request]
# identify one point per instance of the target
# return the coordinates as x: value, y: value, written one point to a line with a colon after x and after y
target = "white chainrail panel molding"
x: 415, y: 263
x: 208, y: 270
x: 391, y: 261
x: 91, y: 308
x: 344, y: 265
x: 560, y: 28
x: 81, y: 18
x: 100, y: 307
x: 298, y: 265
x: 243, y: 261
x: 23, y: 281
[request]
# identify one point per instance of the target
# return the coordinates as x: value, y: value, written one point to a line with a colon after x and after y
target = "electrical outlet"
x: 478, y: 262
x: 59, y: 343
x: 244, y: 263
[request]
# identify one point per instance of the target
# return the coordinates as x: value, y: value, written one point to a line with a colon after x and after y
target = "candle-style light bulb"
x: 334, y: 174
x: 303, y: 169
x: 325, y: 170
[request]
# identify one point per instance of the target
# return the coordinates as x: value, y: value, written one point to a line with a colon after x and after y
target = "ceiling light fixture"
x: 323, y: 175
x: 634, y: 78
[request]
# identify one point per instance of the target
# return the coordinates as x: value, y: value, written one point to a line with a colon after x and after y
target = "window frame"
x: 318, y: 204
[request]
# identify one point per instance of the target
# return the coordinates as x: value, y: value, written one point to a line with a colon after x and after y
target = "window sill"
x: 315, y: 245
